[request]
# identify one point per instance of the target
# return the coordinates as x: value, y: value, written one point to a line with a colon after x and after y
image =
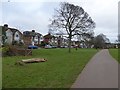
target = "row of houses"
x: 10, y: 35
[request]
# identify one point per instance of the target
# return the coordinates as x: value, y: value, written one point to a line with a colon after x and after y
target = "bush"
x: 20, y: 43
x: 43, y: 44
x: 14, y: 42
x: 5, y: 50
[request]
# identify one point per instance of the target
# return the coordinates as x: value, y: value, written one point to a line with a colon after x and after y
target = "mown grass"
x: 114, y: 54
x: 0, y: 70
x: 60, y: 71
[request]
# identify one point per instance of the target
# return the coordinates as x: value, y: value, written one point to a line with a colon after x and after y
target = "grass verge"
x: 114, y: 54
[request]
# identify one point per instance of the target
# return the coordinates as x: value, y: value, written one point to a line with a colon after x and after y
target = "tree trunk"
x: 38, y: 40
x: 69, y: 44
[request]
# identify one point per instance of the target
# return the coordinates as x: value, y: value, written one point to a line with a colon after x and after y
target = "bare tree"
x: 72, y: 20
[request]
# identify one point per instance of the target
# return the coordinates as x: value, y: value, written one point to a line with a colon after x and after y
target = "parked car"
x: 66, y: 46
x: 62, y: 46
x: 48, y: 46
x: 32, y: 47
x: 54, y: 46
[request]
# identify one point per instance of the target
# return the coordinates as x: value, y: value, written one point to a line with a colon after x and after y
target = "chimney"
x: 33, y: 30
x: 5, y: 26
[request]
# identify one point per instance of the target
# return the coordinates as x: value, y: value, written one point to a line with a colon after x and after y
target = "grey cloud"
x: 35, y: 14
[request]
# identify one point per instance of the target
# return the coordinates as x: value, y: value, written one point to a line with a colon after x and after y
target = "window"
x: 16, y: 35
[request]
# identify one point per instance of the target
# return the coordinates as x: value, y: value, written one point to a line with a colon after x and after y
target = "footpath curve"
x: 100, y: 72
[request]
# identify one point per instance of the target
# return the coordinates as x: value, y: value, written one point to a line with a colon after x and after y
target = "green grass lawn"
x: 114, y: 53
x: 0, y: 71
x: 60, y: 71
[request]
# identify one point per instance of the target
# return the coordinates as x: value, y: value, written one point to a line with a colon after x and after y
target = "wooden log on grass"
x: 34, y: 60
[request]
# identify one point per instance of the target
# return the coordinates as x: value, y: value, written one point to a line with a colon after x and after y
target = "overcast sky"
x: 35, y: 14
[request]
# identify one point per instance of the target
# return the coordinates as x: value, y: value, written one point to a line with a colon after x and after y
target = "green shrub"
x: 43, y: 44
x: 14, y: 42
x: 5, y: 50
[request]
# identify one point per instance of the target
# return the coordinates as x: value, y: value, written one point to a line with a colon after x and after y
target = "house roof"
x: 30, y: 33
x: 15, y: 30
x: 12, y: 29
x: 48, y: 36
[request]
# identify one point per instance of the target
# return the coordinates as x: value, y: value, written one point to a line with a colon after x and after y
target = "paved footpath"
x: 100, y: 72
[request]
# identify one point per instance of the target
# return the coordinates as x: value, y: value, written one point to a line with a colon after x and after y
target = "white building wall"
x: 9, y: 35
x: 17, y: 36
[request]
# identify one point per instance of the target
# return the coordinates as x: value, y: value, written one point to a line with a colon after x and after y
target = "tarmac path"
x: 100, y: 72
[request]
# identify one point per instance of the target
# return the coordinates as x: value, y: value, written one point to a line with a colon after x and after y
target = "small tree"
x: 72, y: 20
x: 3, y: 30
x: 119, y: 40
x: 100, y: 41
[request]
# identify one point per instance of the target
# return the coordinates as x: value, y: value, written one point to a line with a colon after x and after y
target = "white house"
x: 38, y: 38
x: 11, y: 34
